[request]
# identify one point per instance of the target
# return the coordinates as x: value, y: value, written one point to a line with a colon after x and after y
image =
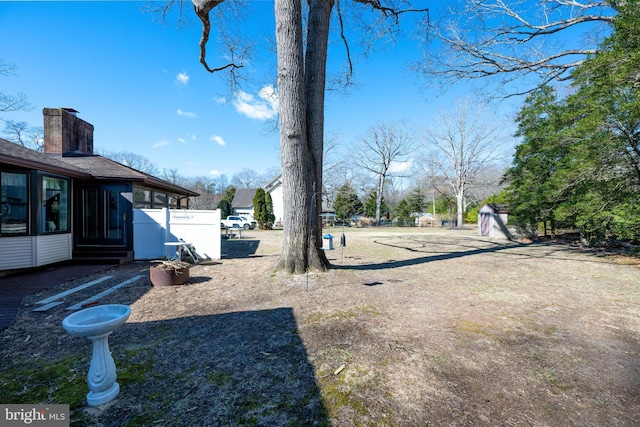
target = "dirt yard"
x: 413, y: 327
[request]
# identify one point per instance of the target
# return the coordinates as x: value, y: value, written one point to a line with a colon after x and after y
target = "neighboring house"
x: 68, y: 203
x: 277, y: 197
x: 242, y: 203
x: 492, y: 221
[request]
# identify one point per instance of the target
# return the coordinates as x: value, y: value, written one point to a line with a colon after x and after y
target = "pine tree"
x: 270, y: 218
x: 260, y: 213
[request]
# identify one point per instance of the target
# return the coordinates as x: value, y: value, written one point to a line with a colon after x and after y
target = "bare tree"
x: 132, y: 160
x: 462, y: 145
x: 487, y: 182
x: 8, y: 102
x: 332, y: 166
x: 378, y: 150
x: 268, y: 176
x: 221, y: 182
x: 206, y: 187
x: 172, y: 176
x: 246, y: 178
x: 512, y: 39
x: 22, y: 134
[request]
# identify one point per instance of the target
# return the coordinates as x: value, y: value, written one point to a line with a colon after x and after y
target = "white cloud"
x: 221, y: 100
x: 187, y: 114
x: 193, y: 137
x: 182, y: 140
x: 161, y: 143
x: 397, y: 167
x: 263, y: 108
x: 215, y: 173
x: 182, y: 78
x: 218, y: 140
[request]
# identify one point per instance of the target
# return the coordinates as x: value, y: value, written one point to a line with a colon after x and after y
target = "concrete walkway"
x: 14, y: 288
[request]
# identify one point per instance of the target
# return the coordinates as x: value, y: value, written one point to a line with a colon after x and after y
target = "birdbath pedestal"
x: 96, y: 324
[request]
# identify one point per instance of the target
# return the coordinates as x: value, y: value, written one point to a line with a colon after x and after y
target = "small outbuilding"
x: 492, y: 221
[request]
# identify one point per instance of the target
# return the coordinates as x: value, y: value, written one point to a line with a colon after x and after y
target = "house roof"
x: 273, y: 184
x: 102, y: 168
x: 499, y: 208
x: 243, y: 198
x: 18, y: 155
x: 83, y: 166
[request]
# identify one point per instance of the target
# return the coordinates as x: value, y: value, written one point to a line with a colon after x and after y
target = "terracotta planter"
x: 168, y: 276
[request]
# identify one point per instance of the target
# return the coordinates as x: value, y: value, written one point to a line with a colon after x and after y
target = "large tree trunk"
x: 315, y: 77
x: 295, y: 155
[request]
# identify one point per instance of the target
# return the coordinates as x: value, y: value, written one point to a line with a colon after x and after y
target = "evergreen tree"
x: 416, y: 200
x: 346, y: 203
x: 403, y: 213
x: 270, y: 217
x: 260, y: 213
x: 533, y: 193
x: 370, y: 206
x: 225, y: 208
x: 229, y: 194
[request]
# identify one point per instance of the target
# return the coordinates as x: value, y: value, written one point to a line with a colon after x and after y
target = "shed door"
x: 485, y: 224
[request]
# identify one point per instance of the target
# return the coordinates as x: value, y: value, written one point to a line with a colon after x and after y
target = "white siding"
x: 34, y: 251
x: 53, y: 248
x: 277, y: 196
x: 16, y: 252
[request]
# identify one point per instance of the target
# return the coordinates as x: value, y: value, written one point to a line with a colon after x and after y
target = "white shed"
x: 492, y: 221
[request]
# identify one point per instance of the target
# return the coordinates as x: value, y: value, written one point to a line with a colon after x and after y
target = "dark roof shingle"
x: 83, y: 166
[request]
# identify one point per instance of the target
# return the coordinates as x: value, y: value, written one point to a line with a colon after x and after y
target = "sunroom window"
x: 55, y: 204
x: 14, y: 207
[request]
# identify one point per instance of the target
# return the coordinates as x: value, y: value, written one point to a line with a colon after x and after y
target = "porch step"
x: 102, y: 257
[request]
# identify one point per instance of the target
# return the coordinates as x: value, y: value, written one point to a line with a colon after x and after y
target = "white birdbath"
x: 97, y: 323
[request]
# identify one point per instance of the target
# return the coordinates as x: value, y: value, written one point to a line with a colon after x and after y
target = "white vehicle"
x: 234, y: 221
x: 253, y: 224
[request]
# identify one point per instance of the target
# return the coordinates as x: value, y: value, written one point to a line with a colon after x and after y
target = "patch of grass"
x: 471, y: 327
x: 345, y: 390
x: 439, y: 361
x: 57, y: 381
x: 330, y: 359
x: 219, y: 379
x: 352, y: 313
x: 536, y: 357
x: 132, y: 369
x: 549, y: 377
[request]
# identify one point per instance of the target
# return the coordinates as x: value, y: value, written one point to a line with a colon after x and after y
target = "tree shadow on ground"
x: 238, y: 248
x: 424, y: 259
x: 241, y: 368
x: 440, y: 251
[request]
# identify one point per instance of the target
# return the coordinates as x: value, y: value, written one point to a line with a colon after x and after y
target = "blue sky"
x: 139, y: 82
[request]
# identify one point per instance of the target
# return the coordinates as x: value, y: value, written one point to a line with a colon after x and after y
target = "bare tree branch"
x: 7, y: 68
x: 202, y: 9
x: 508, y: 40
x: 16, y: 102
x: 392, y: 8
x: 346, y: 43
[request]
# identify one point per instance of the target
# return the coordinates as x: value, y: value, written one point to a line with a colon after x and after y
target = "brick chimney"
x: 65, y: 133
